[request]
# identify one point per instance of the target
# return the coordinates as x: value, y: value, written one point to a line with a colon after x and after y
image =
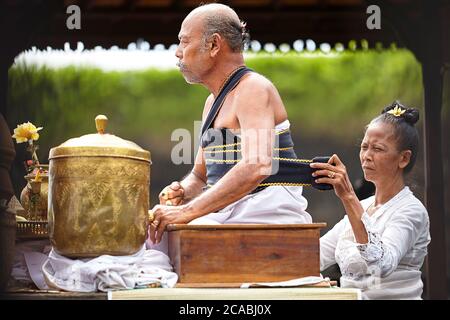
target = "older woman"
x: 381, y: 243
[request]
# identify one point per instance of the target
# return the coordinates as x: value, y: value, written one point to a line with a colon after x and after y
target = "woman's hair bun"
x: 411, y: 115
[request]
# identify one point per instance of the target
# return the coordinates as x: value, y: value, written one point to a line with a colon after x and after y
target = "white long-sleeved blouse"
x: 388, y: 266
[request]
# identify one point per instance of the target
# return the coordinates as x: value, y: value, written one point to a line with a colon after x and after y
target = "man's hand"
x: 164, y: 215
x: 172, y: 195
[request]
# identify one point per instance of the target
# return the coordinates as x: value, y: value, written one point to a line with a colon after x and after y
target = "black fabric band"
x: 222, y: 152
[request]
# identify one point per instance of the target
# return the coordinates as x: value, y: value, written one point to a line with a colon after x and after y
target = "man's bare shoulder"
x: 258, y: 98
x: 256, y: 88
x: 256, y: 81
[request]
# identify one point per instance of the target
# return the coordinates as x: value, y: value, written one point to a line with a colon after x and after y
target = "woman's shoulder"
x: 412, y: 206
x: 412, y: 201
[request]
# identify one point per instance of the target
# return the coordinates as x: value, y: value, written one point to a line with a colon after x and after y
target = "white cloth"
x: 24, y: 266
x: 35, y: 261
x: 388, y: 266
x: 106, y: 273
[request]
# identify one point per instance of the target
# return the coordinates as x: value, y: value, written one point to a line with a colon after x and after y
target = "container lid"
x: 99, y: 144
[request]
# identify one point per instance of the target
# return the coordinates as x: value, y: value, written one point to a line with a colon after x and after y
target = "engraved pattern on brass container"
x: 98, y: 197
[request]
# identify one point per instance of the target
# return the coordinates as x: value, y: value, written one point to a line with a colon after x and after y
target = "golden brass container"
x: 98, y: 195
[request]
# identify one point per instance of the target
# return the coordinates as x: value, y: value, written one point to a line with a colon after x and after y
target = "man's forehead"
x: 184, y: 34
x: 191, y: 26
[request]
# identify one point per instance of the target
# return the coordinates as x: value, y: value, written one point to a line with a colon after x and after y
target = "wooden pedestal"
x: 226, y: 254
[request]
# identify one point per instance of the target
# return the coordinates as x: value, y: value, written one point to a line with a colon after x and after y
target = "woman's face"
x: 380, y: 158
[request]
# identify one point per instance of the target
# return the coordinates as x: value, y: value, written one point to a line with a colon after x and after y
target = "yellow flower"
x: 26, y: 131
x: 397, y: 111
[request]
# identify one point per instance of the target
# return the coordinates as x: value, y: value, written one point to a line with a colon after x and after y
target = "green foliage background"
x: 317, y: 90
x: 329, y: 99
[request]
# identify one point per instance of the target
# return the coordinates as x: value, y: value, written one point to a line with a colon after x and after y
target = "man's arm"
x: 255, y: 114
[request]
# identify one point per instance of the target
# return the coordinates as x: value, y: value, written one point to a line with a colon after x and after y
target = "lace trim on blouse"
x: 374, y: 252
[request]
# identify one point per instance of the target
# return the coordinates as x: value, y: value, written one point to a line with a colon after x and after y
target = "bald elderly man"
x: 243, y: 106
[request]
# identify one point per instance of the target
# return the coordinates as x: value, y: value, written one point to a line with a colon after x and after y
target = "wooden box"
x: 226, y: 254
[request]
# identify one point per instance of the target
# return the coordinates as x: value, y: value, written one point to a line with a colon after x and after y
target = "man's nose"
x: 178, y: 53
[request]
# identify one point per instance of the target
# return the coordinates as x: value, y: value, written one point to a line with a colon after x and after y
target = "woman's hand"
x: 164, y: 215
x: 172, y: 195
x: 334, y: 173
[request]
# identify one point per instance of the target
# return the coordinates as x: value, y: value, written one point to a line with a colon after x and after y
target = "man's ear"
x: 405, y: 158
x: 215, y: 44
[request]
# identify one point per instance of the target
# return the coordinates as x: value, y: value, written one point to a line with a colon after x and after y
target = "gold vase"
x: 98, y: 195
x: 34, y: 197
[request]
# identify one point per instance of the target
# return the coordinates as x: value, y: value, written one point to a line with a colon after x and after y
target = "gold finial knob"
x: 101, y: 122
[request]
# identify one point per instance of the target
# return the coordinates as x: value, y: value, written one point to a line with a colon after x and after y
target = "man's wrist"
x: 191, y: 189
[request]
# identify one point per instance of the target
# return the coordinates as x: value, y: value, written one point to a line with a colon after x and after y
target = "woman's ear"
x: 405, y: 158
x: 215, y: 44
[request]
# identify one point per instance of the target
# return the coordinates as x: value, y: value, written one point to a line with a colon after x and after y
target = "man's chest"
x: 226, y: 117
